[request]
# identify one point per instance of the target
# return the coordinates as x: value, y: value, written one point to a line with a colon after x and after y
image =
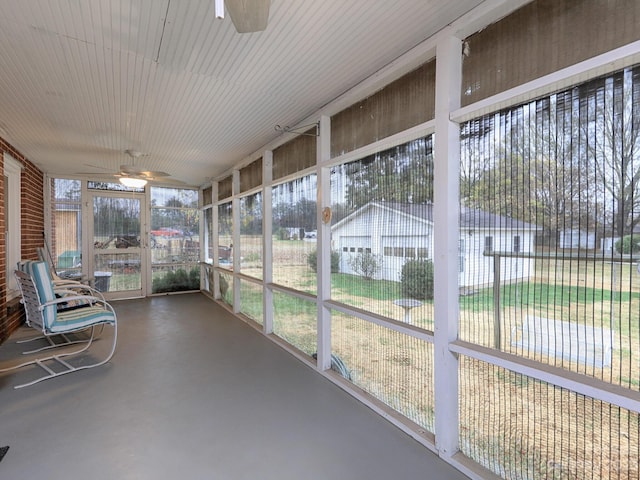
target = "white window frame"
x: 13, y: 231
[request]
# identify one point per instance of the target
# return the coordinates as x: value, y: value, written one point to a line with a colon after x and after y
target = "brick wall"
x: 32, y: 228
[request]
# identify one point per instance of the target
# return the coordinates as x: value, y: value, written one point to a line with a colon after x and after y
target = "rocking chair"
x: 40, y: 303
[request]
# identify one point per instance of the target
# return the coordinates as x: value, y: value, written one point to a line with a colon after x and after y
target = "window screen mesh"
x: 251, y: 176
x: 207, y: 196
x: 543, y: 37
x: 405, y: 103
x: 519, y: 428
x: 550, y: 237
x: 225, y: 235
x: 395, y: 368
x: 251, y: 235
x: 64, y: 245
x: 225, y: 188
x: 294, y: 320
x: 382, y: 233
x: 251, y: 300
x: 295, y: 155
x: 226, y: 287
x: 294, y: 243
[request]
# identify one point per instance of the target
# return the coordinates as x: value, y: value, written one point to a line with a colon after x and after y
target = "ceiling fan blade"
x: 164, y: 178
x: 249, y: 15
x: 95, y: 166
x: 154, y: 174
x: 133, y: 170
x: 154, y: 180
x: 167, y: 180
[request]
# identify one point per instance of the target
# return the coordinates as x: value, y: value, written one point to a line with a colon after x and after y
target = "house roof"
x: 469, y: 217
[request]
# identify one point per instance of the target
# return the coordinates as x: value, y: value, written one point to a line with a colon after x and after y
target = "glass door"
x: 117, y: 260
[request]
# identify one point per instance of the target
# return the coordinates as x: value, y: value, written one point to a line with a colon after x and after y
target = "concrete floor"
x: 193, y: 393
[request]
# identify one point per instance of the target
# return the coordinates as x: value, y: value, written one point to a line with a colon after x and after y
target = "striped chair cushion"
x: 58, y: 321
x: 26, y: 266
x: 84, y: 317
x: 42, y: 280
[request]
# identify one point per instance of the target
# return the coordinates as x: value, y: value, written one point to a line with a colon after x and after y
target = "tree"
x: 225, y: 219
x: 116, y: 216
x: 301, y: 214
x: 613, y: 134
x: 534, y: 166
x: 400, y: 174
x: 175, y: 208
x: 251, y: 215
x: 476, y: 139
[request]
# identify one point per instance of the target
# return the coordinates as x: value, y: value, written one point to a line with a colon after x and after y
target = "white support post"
x: 324, y: 245
x: 216, y: 231
x: 237, y: 247
x: 267, y: 240
x: 446, y: 239
x: 204, y: 244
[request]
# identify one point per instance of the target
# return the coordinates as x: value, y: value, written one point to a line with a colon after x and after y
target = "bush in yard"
x: 282, y: 234
x: 365, y: 264
x: 417, y: 279
x: 224, y: 286
x: 177, y: 281
x: 312, y: 260
x: 628, y: 244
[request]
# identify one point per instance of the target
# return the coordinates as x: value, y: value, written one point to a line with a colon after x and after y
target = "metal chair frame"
x: 62, y: 287
x: 40, y: 307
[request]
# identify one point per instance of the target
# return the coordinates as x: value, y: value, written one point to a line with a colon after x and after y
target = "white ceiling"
x: 83, y: 80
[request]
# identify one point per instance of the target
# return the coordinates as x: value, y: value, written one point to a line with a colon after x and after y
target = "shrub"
x: 282, y: 234
x: 628, y: 244
x: 366, y: 264
x: 177, y: 281
x: 224, y: 286
x: 417, y: 279
x: 312, y: 260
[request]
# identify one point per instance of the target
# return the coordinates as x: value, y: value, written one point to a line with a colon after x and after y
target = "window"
x: 225, y: 237
x: 251, y: 235
x: 174, y: 239
x: 383, y: 207
x: 294, y: 218
x: 64, y: 245
x: 549, y: 176
x: 12, y: 171
x: 488, y: 244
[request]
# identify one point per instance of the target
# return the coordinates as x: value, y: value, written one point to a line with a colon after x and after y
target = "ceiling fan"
x: 134, y: 176
x: 247, y: 15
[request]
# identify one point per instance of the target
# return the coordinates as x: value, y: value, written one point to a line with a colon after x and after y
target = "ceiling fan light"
x: 132, y: 182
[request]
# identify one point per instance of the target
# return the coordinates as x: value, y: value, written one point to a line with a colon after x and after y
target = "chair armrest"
x: 73, y: 298
x: 78, y: 289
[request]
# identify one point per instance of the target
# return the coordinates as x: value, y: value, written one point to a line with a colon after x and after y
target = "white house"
x: 398, y: 232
